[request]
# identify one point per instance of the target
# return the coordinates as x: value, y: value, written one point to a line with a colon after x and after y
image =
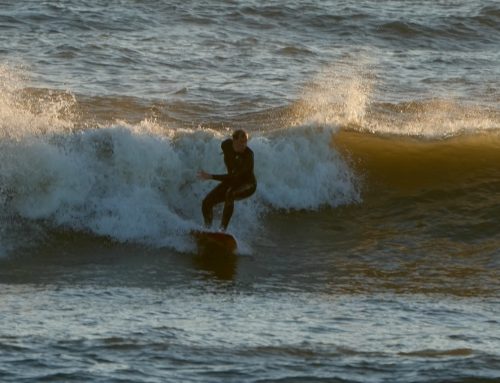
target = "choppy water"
x: 370, y: 250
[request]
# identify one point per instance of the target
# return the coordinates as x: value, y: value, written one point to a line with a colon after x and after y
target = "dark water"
x: 369, y: 252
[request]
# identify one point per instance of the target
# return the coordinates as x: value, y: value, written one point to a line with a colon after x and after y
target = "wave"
x: 468, y: 24
x: 137, y: 182
x: 132, y: 185
x: 488, y: 16
x: 400, y: 28
x: 440, y: 353
x: 449, y: 28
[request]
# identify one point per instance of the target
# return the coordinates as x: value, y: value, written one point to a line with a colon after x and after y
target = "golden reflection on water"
x: 439, y: 266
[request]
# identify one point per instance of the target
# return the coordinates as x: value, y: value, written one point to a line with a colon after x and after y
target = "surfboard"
x: 215, y: 240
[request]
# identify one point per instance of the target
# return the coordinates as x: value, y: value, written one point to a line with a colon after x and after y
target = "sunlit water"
x: 369, y: 252
x: 213, y: 333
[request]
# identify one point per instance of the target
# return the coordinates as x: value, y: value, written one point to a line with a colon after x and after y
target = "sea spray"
x: 340, y: 93
x: 431, y: 118
x: 26, y: 112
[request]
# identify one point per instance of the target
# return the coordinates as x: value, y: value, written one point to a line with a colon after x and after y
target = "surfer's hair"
x: 237, y: 134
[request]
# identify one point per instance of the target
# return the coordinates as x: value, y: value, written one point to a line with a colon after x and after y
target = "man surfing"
x: 237, y: 184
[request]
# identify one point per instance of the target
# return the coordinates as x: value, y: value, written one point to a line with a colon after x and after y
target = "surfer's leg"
x: 217, y: 195
x: 244, y: 191
x: 233, y: 194
x: 227, y: 213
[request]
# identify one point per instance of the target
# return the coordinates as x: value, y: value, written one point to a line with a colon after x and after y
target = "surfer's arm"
x: 218, y: 177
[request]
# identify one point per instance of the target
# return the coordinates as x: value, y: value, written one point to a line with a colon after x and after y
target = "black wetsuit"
x: 238, y: 183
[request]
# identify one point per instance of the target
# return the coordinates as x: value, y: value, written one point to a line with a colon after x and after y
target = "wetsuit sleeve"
x: 246, y: 167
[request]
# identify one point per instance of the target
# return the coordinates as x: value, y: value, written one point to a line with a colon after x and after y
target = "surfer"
x: 237, y: 184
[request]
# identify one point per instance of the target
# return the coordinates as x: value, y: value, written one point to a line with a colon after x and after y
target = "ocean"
x: 370, y: 251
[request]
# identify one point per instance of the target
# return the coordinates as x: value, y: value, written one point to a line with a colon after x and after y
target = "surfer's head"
x: 240, y: 139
